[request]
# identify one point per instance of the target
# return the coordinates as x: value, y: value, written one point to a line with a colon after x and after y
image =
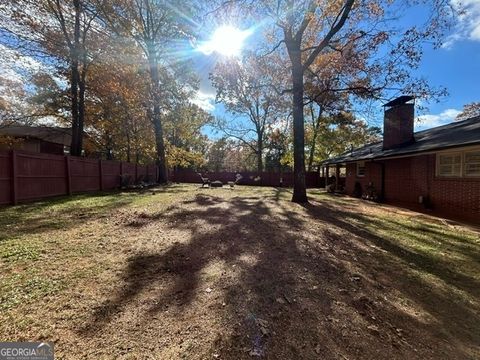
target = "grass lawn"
x: 182, y: 272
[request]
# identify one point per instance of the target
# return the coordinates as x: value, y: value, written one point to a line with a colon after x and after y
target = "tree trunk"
x: 74, y: 106
x: 81, y: 110
x: 108, y: 143
x: 161, y: 160
x: 157, y: 122
x: 312, y: 149
x: 129, y: 147
x: 299, y: 186
x: 260, y: 153
x: 316, y: 127
x: 74, y: 82
x: 311, y: 154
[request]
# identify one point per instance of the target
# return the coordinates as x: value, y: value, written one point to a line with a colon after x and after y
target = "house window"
x: 361, y: 168
x: 472, y: 163
x: 449, y: 165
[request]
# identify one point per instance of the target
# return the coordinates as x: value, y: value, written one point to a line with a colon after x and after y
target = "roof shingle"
x: 459, y: 133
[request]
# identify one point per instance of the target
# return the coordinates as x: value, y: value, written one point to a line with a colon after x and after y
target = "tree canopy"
x: 125, y: 72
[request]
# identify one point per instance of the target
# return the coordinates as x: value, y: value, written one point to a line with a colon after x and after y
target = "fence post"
x: 136, y: 173
x: 14, y: 177
x: 100, y: 171
x: 68, y: 174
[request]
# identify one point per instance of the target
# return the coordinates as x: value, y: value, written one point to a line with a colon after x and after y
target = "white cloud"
x: 13, y: 65
x: 204, y: 101
x: 16, y: 70
x: 17, y: 67
x: 428, y: 121
x: 468, y: 26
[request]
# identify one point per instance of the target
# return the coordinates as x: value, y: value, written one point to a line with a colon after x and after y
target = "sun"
x: 226, y: 40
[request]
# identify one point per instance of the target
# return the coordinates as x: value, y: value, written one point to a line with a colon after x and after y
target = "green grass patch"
x: 25, y: 288
x: 19, y: 252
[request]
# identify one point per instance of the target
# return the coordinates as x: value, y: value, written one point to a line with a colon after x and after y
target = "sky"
x: 455, y: 66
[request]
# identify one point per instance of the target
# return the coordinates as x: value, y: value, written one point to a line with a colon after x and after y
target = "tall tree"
x: 156, y: 26
x: 303, y: 30
x: 15, y: 73
x: 186, y: 145
x: 227, y: 154
x: 294, y: 20
x: 117, y: 110
x: 65, y: 32
x: 216, y: 155
x: 245, y: 87
x: 318, y: 115
x: 337, y: 134
x: 277, y: 148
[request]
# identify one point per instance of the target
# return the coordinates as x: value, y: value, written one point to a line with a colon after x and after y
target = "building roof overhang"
x: 454, y: 135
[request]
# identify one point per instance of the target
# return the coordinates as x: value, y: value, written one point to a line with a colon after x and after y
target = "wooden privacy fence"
x: 28, y: 176
x: 313, y: 179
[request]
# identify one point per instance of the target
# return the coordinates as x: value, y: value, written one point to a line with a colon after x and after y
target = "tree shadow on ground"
x: 438, y: 287
x: 294, y: 284
x: 426, y: 262
x: 69, y: 211
x: 36, y: 218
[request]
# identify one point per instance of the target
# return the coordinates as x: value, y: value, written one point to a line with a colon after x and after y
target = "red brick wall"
x: 373, y: 174
x: 398, y: 125
x: 457, y: 197
x: 408, y: 178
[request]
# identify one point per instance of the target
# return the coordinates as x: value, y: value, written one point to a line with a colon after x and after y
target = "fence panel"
x: 151, y: 173
x: 110, y: 174
x: 149, y: 176
x: 28, y: 176
x: 85, y: 174
x: 141, y: 173
x: 312, y: 179
x: 39, y: 175
x: 129, y: 173
x: 5, y: 178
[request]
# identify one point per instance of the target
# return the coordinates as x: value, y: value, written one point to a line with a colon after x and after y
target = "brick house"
x: 438, y: 168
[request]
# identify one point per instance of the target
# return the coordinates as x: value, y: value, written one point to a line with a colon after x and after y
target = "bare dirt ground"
x: 188, y: 273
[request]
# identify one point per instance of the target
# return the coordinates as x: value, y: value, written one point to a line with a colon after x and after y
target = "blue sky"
x: 458, y: 69
x: 455, y: 66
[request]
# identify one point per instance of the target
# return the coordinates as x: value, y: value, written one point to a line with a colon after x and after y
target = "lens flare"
x: 226, y: 40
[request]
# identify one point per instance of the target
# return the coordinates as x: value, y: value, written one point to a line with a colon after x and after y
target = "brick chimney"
x: 398, y: 122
